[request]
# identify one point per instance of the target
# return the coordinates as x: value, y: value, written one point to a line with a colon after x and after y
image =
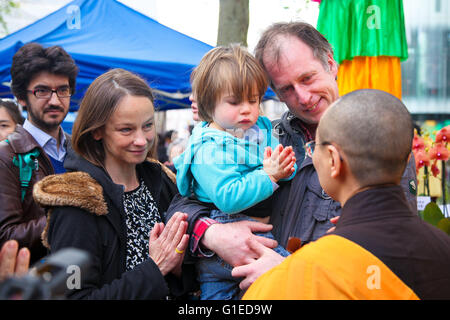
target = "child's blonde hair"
x: 230, y: 69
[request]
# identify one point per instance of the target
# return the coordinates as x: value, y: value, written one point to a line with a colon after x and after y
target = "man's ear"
x: 335, y: 161
x: 332, y: 65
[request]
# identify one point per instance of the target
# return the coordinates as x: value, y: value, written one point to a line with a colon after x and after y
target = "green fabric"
x: 364, y: 28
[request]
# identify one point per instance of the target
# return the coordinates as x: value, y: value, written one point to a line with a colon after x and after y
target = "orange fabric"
x: 382, y: 72
x: 330, y: 268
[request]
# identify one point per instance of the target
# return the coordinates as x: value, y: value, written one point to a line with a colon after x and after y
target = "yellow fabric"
x: 382, y: 72
x: 330, y: 268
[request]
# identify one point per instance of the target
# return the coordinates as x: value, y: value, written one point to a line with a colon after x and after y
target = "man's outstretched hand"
x: 229, y: 240
x: 267, y: 259
x: 13, y: 262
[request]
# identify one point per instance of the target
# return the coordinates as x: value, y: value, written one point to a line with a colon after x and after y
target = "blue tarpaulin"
x: 105, y: 34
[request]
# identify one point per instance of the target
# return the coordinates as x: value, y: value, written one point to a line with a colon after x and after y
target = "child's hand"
x: 279, y: 164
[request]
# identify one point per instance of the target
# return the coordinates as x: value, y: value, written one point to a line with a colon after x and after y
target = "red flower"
x: 422, y: 159
x: 439, y: 152
x: 434, y: 169
x: 418, y: 143
x: 443, y: 135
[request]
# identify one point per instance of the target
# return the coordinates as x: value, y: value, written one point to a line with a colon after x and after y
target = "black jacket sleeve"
x: 179, y: 287
x: 73, y: 227
x: 194, y: 209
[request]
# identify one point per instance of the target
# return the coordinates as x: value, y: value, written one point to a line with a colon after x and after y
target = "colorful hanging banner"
x: 364, y: 28
x: 369, y: 41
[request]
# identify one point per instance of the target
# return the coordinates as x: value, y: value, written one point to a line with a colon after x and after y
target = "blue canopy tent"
x: 105, y: 34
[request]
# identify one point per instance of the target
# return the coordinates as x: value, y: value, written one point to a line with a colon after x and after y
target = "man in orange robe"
x: 379, y: 249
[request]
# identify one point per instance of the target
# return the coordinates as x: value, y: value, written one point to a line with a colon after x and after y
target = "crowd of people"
x: 297, y: 208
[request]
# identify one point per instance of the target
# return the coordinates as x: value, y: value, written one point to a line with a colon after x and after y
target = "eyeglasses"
x: 46, y: 93
x: 311, y: 146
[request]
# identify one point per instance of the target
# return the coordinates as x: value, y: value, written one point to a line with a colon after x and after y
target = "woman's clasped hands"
x: 168, y: 244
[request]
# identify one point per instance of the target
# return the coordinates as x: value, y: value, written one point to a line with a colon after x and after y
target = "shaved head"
x: 374, y: 130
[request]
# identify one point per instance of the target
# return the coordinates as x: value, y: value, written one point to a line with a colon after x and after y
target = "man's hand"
x: 279, y: 163
x: 229, y: 240
x: 13, y: 262
x: 333, y: 220
x: 267, y: 259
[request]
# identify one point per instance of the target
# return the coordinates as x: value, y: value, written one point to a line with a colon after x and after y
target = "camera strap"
x: 26, y: 162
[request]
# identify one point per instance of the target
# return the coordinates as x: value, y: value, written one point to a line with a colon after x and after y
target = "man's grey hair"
x: 269, y: 45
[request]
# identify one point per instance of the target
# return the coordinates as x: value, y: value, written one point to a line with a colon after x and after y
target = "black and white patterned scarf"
x: 141, y: 215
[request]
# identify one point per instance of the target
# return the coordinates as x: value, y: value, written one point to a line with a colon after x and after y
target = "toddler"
x: 232, y: 162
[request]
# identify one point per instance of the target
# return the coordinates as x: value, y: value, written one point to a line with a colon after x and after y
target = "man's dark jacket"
x: 24, y: 220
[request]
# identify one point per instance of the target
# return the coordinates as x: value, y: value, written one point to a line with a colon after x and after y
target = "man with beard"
x: 43, y: 80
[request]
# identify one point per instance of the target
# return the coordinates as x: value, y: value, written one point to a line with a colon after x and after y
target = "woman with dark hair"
x: 112, y: 201
x: 10, y: 116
